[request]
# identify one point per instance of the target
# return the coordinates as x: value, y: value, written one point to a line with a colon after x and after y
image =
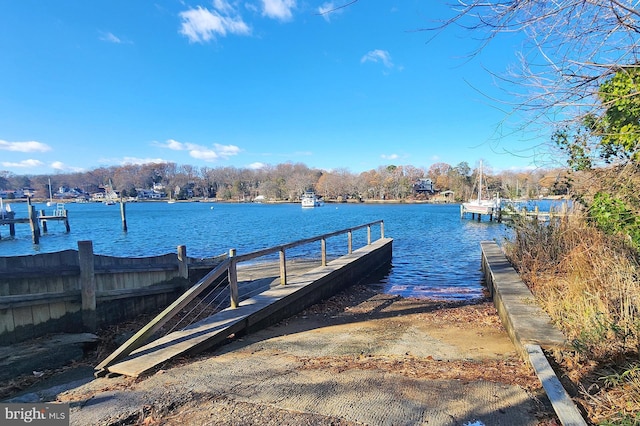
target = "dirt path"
x: 358, y: 358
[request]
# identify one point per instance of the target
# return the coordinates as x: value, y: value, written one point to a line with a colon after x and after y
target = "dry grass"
x: 588, y: 283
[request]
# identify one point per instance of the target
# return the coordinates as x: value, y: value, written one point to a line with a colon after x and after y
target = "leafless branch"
x: 326, y: 12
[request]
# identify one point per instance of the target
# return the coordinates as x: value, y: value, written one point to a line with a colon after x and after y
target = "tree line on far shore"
x: 287, y: 181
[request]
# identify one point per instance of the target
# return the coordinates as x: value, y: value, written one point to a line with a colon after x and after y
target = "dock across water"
x: 37, y: 222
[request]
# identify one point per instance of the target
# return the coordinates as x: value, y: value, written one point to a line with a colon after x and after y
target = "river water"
x: 435, y: 253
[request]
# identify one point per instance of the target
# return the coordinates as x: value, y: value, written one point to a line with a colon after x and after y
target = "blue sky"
x: 85, y: 84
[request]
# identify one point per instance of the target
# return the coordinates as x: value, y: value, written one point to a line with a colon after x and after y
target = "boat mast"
x: 480, y: 183
x: 50, y: 203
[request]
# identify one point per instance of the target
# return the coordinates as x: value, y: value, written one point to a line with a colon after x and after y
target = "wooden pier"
x: 476, y: 211
x: 536, y: 213
x: 509, y: 212
x: 37, y: 222
x: 288, y: 294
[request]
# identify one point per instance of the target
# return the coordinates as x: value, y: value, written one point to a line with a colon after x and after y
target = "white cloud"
x: 224, y: 7
x: 174, y: 145
x: 257, y: 165
x: 204, y: 154
x: 60, y: 166
x: 23, y: 163
x: 135, y: 160
x: 201, y: 152
x: 30, y: 146
x: 378, y: 56
x: 390, y: 156
x: 227, y: 150
x: 278, y: 9
x: 111, y: 38
x: 201, y: 25
x: 329, y: 9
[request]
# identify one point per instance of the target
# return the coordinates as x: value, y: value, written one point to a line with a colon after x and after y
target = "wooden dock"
x: 287, y: 295
x: 510, y: 212
x: 37, y: 222
x: 476, y: 212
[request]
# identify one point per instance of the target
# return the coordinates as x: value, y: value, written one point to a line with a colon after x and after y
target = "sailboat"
x: 482, y: 205
x: 110, y: 195
x: 50, y: 202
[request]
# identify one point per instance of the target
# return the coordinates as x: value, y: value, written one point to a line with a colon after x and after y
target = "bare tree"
x: 571, y: 48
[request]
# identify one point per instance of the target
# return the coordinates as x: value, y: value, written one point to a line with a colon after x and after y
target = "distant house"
x: 423, y: 186
x: 149, y: 194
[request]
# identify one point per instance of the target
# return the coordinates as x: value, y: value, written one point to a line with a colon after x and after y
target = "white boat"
x: 5, y: 211
x: 481, y: 205
x: 310, y: 199
x: 110, y: 196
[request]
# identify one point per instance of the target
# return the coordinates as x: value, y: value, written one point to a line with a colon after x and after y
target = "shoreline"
x: 219, y: 201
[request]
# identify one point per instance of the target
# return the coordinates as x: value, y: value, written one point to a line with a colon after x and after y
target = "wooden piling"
x: 183, y: 262
x: 66, y: 220
x: 87, y: 285
x: 123, y: 215
x: 33, y: 221
x: 43, y: 222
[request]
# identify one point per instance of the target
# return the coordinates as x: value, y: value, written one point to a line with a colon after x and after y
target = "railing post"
x: 183, y: 262
x: 350, y: 241
x: 369, y: 234
x: 323, y: 250
x: 233, y: 279
x: 87, y: 285
x: 381, y: 229
x: 283, y: 267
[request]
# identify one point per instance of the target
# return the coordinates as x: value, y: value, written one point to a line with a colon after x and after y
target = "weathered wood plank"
x: 7, y: 324
x: 24, y: 300
x: 22, y: 317
x: 564, y: 407
x: 57, y: 310
x: 40, y: 313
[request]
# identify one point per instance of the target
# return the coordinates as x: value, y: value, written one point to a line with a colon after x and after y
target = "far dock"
x: 37, y: 222
x: 501, y: 211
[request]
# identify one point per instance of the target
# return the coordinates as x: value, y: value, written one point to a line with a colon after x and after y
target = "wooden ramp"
x: 276, y: 303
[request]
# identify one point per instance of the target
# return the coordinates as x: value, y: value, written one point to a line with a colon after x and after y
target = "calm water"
x: 435, y: 253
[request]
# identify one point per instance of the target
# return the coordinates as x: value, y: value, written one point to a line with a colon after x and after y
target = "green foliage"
x: 619, y: 127
x: 612, y: 216
x: 576, y: 146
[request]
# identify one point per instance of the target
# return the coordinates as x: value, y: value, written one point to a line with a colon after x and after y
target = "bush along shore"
x: 588, y: 282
